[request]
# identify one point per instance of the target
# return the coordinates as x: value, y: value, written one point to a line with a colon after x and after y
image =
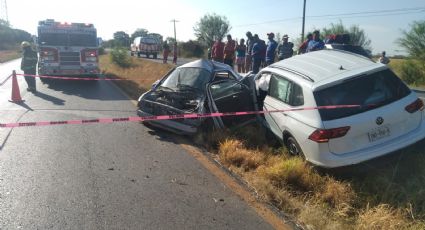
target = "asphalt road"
x: 102, y: 176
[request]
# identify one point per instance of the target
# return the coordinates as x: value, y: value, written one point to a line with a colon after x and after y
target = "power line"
x: 346, y: 15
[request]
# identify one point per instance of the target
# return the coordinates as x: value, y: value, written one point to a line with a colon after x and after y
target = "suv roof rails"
x: 293, y: 71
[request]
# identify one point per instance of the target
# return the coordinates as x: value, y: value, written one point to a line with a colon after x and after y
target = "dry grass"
x: 383, y: 217
x: 320, y: 201
x: 7, y: 55
x: 141, y: 75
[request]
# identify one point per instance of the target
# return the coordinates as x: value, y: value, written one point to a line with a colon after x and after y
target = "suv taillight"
x: 49, y: 55
x: 324, y: 135
x: 415, y: 106
x: 89, y: 56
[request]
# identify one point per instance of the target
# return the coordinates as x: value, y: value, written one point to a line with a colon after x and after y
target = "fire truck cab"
x: 67, y: 49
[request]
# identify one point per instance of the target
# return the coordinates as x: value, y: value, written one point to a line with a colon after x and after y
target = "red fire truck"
x: 67, y: 49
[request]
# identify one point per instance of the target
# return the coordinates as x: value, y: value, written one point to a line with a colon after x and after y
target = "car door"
x: 230, y: 96
x: 282, y: 94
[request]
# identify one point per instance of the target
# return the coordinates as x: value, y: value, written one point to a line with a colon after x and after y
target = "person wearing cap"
x: 316, y: 43
x: 29, y: 65
x: 383, y: 59
x: 303, y: 47
x: 229, y: 51
x: 285, y: 49
x: 248, y: 56
x: 271, y: 49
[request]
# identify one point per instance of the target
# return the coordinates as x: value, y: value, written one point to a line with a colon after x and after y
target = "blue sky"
x: 282, y: 16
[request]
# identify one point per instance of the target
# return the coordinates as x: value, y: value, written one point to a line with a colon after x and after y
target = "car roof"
x: 323, y: 67
x: 210, y: 66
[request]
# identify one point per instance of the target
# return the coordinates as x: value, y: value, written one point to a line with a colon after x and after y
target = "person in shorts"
x: 240, y: 55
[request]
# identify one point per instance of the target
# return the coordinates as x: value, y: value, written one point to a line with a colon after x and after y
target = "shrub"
x: 120, y: 57
x: 412, y: 73
x: 192, y: 49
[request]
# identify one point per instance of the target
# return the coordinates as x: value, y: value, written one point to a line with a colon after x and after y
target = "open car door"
x: 230, y: 96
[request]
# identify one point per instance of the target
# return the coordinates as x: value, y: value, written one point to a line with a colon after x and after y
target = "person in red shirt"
x: 217, y: 51
x: 165, y: 52
x: 303, y: 47
x: 229, y: 51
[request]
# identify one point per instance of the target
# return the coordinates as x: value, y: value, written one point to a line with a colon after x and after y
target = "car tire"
x: 132, y: 54
x: 155, y: 56
x: 138, y: 54
x: 294, y: 148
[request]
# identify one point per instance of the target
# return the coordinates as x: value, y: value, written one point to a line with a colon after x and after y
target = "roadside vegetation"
x: 10, y: 40
x: 388, y: 193
x: 7, y: 55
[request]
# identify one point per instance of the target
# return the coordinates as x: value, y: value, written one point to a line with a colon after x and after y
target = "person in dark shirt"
x: 271, y: 49
x: 285, y: 49
x: 258, y: 49
x: 29, y: 65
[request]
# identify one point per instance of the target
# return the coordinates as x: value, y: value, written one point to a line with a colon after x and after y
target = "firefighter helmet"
x: 25, y: 44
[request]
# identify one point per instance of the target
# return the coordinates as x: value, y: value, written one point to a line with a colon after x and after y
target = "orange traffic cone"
x: 16, y: 93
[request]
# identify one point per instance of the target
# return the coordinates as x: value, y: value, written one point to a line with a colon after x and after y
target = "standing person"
x: 383, y: 59
x: 29, y: 65
x: 271, y: 49
x: 240, y: 55
x: 165, y: 52
x: 175, y: 53
x: 229, y: 51
x: 285, y: 49
x: 303, y: 47
x: 248, y: 57
x: 257, y: 56
x: 316, y: 43
x: 217, y: 51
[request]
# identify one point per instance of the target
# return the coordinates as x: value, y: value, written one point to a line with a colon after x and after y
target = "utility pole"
x: 3, y: 11
x: 302, y: 32
x: 174, y: 21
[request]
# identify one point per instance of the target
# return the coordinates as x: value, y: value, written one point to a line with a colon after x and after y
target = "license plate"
x: 379, y: 133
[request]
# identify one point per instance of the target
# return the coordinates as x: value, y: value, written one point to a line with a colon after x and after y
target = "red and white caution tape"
x: 162, y: 117
x: 73, y: 78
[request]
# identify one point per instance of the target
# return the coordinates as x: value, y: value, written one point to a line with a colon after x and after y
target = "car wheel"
x: 155, y: 56
x: 294, y: 148
x: 138, y: 54
x: 132, y: 54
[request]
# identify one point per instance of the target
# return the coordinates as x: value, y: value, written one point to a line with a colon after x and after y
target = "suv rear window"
x: 369, y: 91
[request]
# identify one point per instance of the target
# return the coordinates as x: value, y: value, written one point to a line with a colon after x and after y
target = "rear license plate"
x: 379, y: 133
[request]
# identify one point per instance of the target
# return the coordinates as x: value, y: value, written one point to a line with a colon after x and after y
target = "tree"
x: 413, y: 41
x: 158, y: 37
x: 211, y: 26
x: 140, y: 32
x: 121, y: 39
x: 357, y: 35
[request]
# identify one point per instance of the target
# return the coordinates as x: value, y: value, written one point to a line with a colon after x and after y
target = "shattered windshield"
x: 187, y: 79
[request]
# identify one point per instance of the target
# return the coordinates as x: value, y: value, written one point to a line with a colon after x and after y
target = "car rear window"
x: 368, y: 91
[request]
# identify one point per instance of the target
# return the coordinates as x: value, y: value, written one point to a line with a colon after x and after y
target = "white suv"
x: 389, y: 115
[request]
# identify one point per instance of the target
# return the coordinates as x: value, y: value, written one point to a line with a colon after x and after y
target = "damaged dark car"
x: 201, y: 86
